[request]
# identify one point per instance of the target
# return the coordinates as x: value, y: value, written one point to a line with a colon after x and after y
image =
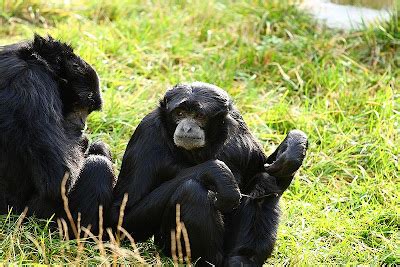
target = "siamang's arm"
x: 31, y: 129
x: 146, y: 163
x: 140, y: 219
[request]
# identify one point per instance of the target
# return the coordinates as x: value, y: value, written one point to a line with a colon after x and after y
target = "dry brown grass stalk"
x: 179, y: 232
x: 101, y: 232
x: 21, y: 217
x: 114, y: 242
x: 173, y: 248
x: 66, y: 207
x: 187, y: 244
x: 176, y: 243
x: 121, y: 216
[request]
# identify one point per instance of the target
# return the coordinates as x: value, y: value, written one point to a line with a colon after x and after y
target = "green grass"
x: 283, y: 71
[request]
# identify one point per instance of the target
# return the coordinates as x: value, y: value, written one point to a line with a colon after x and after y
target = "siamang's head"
x: 197, y: 115
x: 77, y: 80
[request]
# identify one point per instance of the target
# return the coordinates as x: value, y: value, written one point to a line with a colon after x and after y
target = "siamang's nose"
x: 187, y: 128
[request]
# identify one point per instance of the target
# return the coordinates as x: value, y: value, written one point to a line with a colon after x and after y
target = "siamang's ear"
x: 230, y: 121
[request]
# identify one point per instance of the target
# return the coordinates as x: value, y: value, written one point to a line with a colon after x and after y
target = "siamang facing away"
x: 195, y: 150
x: 46, y: 93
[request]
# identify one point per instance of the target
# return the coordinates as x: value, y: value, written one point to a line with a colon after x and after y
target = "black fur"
x: 229, y: 202
x: 42, y: 82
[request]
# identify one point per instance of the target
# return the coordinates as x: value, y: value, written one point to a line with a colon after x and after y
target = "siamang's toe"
x: 99, y: 148
x: 288, y: 157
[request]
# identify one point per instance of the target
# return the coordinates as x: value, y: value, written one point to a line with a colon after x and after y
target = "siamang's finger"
x: 219, y: 178
x: 288, y: 157
x: 99, y: 148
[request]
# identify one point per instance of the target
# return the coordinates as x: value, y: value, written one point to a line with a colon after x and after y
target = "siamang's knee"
x: 93, y: 188
x: 97, y: 175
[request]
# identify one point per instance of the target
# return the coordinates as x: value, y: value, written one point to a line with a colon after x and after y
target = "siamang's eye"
x: 200, y: 117
x: 179, y: 113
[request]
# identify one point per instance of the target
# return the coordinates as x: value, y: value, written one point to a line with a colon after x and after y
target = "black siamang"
x: 46, y: 94
x: 196, y: 150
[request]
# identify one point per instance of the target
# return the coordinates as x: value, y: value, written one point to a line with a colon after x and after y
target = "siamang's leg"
x: 93, y: 188
x: 287, y: 158
x: 202, y: 220
x: 44, y: 207
x: 250, y: 232
x: 3, y: 204
x: 141, y: 219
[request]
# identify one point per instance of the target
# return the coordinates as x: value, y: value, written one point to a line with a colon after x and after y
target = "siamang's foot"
x: 99, y: 148
x: 239, y: 261
x: 288, y: 157
x: 266, y: 186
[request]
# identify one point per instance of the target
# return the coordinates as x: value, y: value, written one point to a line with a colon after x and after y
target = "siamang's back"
x: 15, y: 188
x: 31, y: 131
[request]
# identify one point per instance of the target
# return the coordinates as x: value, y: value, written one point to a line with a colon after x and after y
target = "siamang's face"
x: 195, y: 114
x: 81, y: 93
x: 82, y: 84
x: 189, y: 132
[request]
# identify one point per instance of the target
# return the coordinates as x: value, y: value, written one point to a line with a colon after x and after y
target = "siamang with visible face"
x: 46, y: 94
x: 195, y: 150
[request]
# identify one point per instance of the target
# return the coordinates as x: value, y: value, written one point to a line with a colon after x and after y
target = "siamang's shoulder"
x: 150, y: 123
x: 149, y: 132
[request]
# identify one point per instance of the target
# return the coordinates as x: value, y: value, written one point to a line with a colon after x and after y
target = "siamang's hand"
x: 99, y: 148
x: 217, y: 177
x: 287, y: 158
x: 84, y: 143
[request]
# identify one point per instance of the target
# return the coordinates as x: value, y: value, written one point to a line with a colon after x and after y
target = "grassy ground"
x: 283, y: 71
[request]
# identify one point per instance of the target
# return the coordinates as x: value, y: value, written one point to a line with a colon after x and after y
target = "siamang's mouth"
x: 189, y: 137
x: 77, y: 120
x: 79, y: 125
x: 189, y: 142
